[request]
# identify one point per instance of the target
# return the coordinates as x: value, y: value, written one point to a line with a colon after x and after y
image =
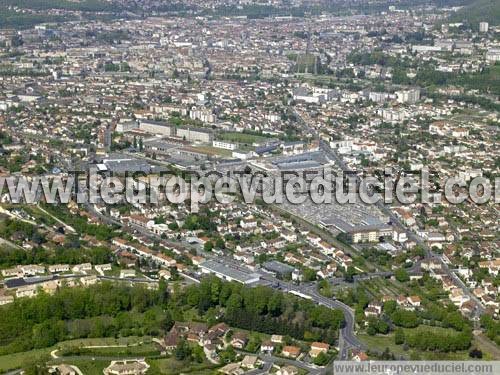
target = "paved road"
x: 14, y: 372
x: 264, y: 370
x: 347, y: 338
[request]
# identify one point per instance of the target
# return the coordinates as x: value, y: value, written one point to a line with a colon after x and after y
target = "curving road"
x: 347, y: 337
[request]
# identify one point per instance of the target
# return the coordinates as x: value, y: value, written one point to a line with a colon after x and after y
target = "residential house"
x: 359, y: 356
x: 82, y: 268
x: 239, y: 340
x: 414, y: 301
x: 4, y: 300
x: 103, y: 267
x: 127, y: 367
x: 290, y: 351
x: 26, y: 291
x: 57, y: 268
x: 267, y: 347
x: 32, y: 270
x: 232, y: 369
x: 277, y: 339
x: 317, y: 348
x: 249, y: 361
x: 288, y: 370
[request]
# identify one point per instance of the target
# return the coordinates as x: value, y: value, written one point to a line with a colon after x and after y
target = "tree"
x: 309, y: 274
x: 371, y: 330
x: 325, y: 289
x: 228, y: 355
x: 377, y: 326
x: 274, y: 304
x: 401, y: 275
x: 253, y: 343
x: 167, y: 322
x: 349, y: 274
x: 198, y: 354
x: 382, y: 327
x: 234, y: 303
x: 219, y: 243
x: 321, y: 359
x: 324, y: 317
x: 399, y: 336
x: 403, y: 318
x: 182, y: 351
x: 389, y: 307
x: 44, y: 335
x: 208, y: 246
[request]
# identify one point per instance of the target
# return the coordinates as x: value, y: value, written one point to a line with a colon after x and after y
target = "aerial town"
x: 275, y: 88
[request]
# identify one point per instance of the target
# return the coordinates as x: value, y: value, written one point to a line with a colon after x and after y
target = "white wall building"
x: 224, y: 145
x: 483, y: 27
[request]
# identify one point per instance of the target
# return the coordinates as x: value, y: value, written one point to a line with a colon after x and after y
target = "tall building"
x: 104, y: 137
x: 493, y: 55
x: 156, y: 127
x: 483, y: 27
x: 194, y: 134
x: 408, y: 96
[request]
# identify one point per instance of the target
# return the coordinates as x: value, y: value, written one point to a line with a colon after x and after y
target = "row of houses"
x: 34, y: 269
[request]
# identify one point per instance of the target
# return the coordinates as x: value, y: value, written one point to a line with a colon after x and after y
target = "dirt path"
x: 66, y: 226
x: 486, y: 345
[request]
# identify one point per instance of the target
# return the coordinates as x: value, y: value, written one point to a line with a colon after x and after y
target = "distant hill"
x: 477, y: 11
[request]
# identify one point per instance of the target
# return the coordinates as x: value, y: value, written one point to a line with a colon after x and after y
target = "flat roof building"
x: 229, y: 273
x: 277, y: 268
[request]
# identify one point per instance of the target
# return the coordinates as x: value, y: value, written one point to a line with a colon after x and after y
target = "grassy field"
x: 172, y: 366
x: 387, y: 341
x: 41, y: 217
x: 87, y: 367
x: 131, y: 340
x: 17, y: 360
x: 214, y: 151
x: 379, y: 287
x: 381, y: 342
x: 241, y: 137
x: 143, y: 350
x: 93, y: 367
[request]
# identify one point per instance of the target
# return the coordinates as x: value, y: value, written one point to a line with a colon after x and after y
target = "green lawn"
x: 242, y: 137
x: 105, y: 341
x: 380, y: 342
x: 17, y: 360
x: 87, y: 367
x: 41, y: 217
x: 172, y: 366
x: 144, y: 350
x: 378, y: 287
